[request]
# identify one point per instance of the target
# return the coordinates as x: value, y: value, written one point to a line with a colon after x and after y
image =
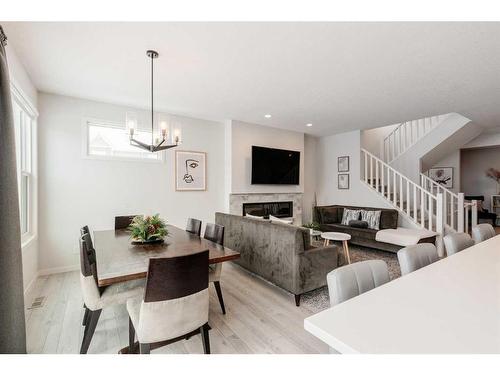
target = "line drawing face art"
x: 190, y: 164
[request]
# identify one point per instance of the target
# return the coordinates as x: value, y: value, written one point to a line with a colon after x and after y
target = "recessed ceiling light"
x: 267, y: 116
x: 309, y: 125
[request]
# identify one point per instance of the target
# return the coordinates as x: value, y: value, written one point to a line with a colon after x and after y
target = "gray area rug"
x: 318, y: 300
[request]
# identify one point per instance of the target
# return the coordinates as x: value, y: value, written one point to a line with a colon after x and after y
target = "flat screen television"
x: 272, y: 166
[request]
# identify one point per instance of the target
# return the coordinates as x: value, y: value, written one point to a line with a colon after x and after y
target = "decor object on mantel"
x: 158, y: 144
x: 148, y: 229
x: 494, y: 174
x: 190, y: 171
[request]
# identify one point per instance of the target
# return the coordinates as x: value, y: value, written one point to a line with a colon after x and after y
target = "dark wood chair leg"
x: 144, y: 348
x: 89, y: 330
x: 85, y: 316
x: 219, y: 295
x: 205, y: 339
x: 131, y: 336
x: 297, y: 299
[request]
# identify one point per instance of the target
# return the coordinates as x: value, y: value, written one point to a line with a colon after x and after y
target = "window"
x: 24, y: 120
x: 111, y: 141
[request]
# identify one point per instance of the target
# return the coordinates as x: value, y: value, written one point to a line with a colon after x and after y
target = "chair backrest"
x: 122, y: 222
x: 88, y: 272
x: 356, y: 278
x: 194, y: 226
x: 175, y: 298
x: 482, y: 232
x: 214, y: 233
x: 413, y: 257
x: 455, y: 242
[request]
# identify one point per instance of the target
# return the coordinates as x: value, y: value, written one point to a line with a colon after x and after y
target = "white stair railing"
x: 406, y: 135
x: 419, y: 205
x: 455, y: 208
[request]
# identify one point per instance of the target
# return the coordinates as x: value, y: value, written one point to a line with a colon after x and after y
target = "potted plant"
x: 148, y: 229
x: 312, y: 226
x: 495, y: 175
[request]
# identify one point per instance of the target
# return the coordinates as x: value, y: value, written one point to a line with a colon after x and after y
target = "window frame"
x: 87, y: 121
x: 27, y: 165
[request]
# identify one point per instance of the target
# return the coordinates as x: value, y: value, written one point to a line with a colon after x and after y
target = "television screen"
x: 273, y: 166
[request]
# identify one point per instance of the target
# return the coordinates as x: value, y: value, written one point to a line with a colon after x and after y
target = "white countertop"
x: 451, y: 306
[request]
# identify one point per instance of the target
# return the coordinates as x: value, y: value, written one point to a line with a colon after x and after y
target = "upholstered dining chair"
x: 413, y: 257
x: 175, y: 303
x: 482, y: 232
x: 95, y: 298
x: 215, y: 233
x: 354, y: 279
x: 122, y: 222
x: 455, y: 242
x: 194, y: 226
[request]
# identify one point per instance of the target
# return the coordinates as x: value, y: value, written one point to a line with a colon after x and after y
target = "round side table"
x: 338, y: 236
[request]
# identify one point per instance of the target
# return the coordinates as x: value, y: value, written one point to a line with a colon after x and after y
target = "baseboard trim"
x: 51, y: 271
x: 31, y: 285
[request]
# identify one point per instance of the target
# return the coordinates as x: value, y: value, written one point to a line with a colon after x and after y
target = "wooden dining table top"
x: 119, y: 260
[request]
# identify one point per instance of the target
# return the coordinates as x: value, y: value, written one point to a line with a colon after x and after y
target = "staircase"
x: 406, y: 135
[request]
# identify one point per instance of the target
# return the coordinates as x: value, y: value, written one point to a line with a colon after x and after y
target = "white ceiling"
x: 338, y: 76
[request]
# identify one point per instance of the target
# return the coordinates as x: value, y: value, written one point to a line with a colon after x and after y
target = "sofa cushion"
x: 403, y: 236
x: 358, y: 224
x: 349, y: 215
x: 329, y: 215
x: 372, y: 218
x: 366, y: 233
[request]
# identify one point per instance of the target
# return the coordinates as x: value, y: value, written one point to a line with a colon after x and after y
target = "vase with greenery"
x: 494, y: 174
x: 312, y: 226
x: 146, y: 229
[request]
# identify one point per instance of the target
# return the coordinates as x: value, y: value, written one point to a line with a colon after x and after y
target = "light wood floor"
x: 260, y: 318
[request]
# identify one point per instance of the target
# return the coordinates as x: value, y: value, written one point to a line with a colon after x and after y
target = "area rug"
x: 318, y: 300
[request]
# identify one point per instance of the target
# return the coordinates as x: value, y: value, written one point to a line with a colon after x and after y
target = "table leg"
x: 346, y: 251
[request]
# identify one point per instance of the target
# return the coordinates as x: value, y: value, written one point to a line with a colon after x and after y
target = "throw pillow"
x: 358, y: 224
x: 275, y: 219
x: 372, y: 218
x: 349, y: 215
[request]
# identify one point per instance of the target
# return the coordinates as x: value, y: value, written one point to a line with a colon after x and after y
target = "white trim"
x: 54, y: 270
x: 85, y: 142
x: 29, y: 289
x: 23, y: 99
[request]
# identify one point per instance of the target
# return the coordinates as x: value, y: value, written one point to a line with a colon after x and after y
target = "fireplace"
x: 277, y: 209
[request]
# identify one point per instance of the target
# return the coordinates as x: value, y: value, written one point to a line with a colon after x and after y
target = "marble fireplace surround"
x: 236, y: 201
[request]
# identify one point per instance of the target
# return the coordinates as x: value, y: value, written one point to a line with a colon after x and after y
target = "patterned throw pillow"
x: 372, y: 218
x: 349, y: 215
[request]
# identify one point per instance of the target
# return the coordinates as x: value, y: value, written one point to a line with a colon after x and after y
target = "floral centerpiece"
x: 148, y: 229
x: 313, y: 227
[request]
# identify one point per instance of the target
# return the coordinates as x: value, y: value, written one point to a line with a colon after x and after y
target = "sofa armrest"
x: 314, y: 265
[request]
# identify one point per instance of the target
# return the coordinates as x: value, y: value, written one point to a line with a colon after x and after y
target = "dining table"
x: 450, y: 306
x: 118, y: 259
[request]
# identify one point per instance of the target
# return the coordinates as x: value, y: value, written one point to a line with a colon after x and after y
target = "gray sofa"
x: 280, y: 253
x: 330, y: 218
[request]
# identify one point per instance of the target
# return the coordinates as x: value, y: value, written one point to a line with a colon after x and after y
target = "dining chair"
x: 175, y: 303
x: 482, y: 232
x: 455, y: 242
x: 123, y: 222
x: 215, y: 233
x: 413, y: 257
x: 354, y: 279
x: 95, y: 298
x: 194, y: 226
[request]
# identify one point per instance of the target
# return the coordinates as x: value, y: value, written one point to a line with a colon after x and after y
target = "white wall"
x: 372, y: 139
x: 310, y: 177
x: 75, y: 191
x: 22, y: 81
x: 243, y: 137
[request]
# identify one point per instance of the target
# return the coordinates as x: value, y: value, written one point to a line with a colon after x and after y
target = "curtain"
x: 12, y: 324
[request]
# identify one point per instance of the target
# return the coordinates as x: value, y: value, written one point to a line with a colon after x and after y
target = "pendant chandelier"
x: 168, y: 137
